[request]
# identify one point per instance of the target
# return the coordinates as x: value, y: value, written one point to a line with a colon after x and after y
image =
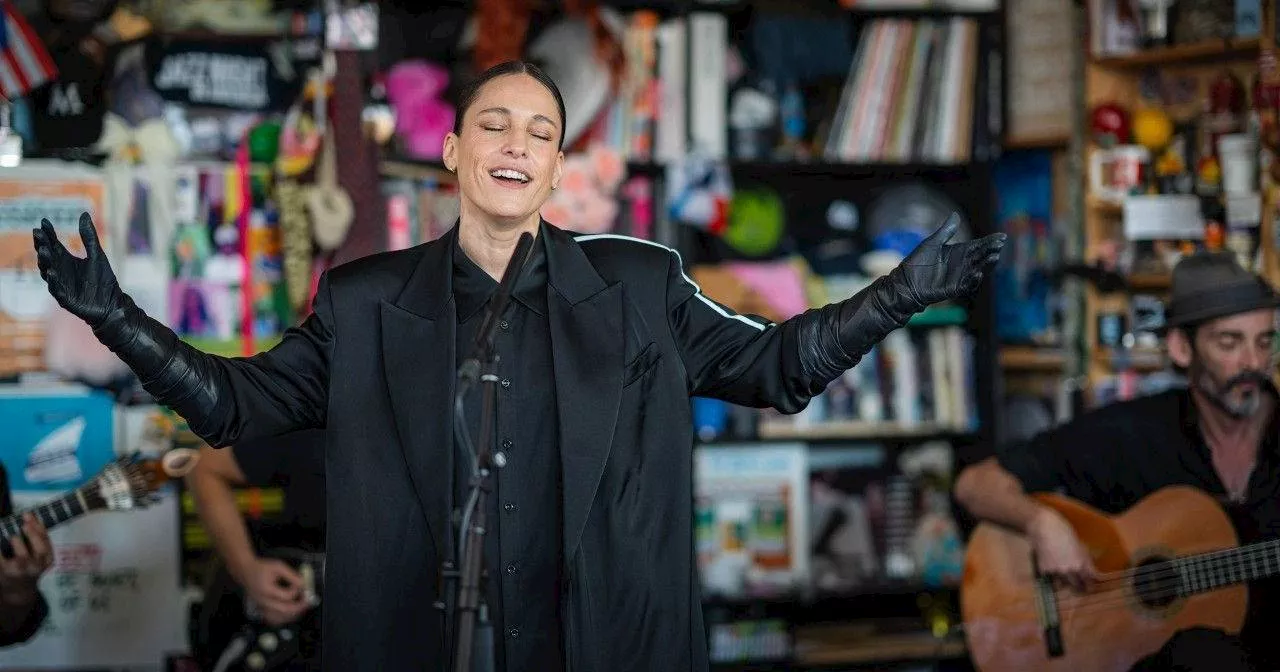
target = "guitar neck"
x: 71, y: 505
x: 1210, y: 571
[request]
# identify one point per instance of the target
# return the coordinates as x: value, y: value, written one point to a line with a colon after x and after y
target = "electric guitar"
x: 1170, y: 562
x: 230, y: 634
x: 126, y: 483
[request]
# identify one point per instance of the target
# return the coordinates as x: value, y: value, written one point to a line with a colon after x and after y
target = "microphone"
x: 469, y: 372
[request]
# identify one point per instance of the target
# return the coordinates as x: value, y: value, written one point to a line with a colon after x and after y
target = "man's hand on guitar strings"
x: 31, y: 555
x: 1058, y: 551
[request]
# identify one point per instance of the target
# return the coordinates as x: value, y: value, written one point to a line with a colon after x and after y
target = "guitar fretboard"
x: 50, y: 513
x: 1210, y: 571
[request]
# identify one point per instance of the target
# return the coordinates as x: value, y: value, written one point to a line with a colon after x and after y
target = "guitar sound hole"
x: 1155, y: 583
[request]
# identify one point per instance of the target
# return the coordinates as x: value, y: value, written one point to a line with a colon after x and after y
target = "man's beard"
x: 1220, y: 395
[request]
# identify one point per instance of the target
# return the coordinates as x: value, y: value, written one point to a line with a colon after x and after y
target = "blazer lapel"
x: 586, y: 325
x: 418, y: 335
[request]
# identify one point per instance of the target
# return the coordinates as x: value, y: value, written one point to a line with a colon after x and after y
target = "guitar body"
x: 1116, y: 624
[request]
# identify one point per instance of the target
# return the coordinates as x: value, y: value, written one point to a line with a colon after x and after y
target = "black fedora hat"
x: 1209, y: 285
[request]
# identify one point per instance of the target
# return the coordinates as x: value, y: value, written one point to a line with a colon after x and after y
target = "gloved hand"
x: 86, y: 288
x: 937, y: 271
x: 839, y: 335
x: 176, y: 374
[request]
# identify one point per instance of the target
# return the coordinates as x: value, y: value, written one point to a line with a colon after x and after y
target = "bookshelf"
x: 1113, y: 369
x: 878, y: 624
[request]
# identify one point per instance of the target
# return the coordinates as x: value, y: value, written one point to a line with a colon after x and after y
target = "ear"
x: 1180, y: 347
x: 449, y: 153
x: 558, y: 171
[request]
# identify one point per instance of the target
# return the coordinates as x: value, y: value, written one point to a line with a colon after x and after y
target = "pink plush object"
x: 586, y: 200
x: 422, y: 118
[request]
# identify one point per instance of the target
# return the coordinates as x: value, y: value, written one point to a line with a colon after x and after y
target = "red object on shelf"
x: 1110, y: 125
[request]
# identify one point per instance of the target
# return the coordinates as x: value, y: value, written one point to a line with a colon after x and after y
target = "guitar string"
x: 1168, y: 584
x: 1167, y: 580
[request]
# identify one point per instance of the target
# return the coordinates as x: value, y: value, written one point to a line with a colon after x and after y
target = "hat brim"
x: 1214, y: 305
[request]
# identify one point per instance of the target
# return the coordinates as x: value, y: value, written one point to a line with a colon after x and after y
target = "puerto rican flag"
x: 24, y: 62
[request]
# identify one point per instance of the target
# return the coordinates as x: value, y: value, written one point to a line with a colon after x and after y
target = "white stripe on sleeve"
x: 680, y: 261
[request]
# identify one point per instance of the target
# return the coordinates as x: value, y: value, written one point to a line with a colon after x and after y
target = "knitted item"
x: 295, y: 241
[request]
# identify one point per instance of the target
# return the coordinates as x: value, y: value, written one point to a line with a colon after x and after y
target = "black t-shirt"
x: 293, y: 462
x: 1115, y: 456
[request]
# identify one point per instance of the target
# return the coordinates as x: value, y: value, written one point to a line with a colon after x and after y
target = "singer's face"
x: 507, y: 155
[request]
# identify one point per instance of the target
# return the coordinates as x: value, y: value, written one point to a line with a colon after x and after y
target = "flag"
x: 24, y: 62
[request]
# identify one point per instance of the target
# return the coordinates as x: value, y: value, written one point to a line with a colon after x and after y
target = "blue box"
x: 54, y: 438
x: 1248, y: 18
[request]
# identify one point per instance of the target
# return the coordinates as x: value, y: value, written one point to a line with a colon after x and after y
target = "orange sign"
x: 27, y: 195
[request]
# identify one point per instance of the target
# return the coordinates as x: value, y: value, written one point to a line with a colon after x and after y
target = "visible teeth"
x: 510, y: 174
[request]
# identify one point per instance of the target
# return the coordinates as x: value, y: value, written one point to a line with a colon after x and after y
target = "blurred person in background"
x: 260, y: 587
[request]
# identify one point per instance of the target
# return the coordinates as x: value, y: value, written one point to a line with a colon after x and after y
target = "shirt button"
x: 513, y: 633
x: 504, y: 325
x: 507, y: 443
x: 512, y: 569
x: 506, y: 382
x: 510, y: 507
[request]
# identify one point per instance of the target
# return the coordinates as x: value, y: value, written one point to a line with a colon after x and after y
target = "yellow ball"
x: 1152, y: 128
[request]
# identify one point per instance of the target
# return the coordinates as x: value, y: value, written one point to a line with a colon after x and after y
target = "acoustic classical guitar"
x: 1170, y: 562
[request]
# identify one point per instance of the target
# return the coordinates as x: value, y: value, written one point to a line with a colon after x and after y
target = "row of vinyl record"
x: 915, y: 92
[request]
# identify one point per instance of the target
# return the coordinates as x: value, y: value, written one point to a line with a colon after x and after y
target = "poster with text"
x: 113, y: 592
x: 56, y: 191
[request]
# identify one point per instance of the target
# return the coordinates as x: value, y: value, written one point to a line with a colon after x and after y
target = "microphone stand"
x: 473, y: 631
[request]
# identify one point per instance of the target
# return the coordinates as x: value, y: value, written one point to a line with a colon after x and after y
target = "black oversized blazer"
x: 632, y: 338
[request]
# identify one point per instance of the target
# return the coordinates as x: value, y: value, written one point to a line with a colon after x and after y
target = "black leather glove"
x: 840, y: 334
x: 87, y: 287
x: 173, y: 372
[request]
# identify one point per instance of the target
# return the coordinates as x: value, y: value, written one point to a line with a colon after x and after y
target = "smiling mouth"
x: 510, y: 176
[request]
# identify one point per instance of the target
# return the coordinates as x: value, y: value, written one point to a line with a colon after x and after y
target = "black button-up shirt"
x: 1114, y: 457
x: 523, y: 548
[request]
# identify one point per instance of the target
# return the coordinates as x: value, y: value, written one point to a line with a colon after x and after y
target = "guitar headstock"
x: 131, y: 481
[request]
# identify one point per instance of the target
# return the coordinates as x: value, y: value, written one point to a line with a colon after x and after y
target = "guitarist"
x: 22, y: 607
x: 296, y: 463
x: 1220, y: 435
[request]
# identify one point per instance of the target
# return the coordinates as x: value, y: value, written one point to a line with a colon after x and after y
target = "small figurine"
x: 1110, y: 125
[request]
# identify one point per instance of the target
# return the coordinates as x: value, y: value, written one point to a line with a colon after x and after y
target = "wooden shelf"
x: 1150, y: 282
x: 1185, y: 54
x: 1062, y: 141
x: 1031, y: 358
x: 1143, y: 360
x: 1106, y: 208
x: 851, y: 430
x: 836, y: 646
